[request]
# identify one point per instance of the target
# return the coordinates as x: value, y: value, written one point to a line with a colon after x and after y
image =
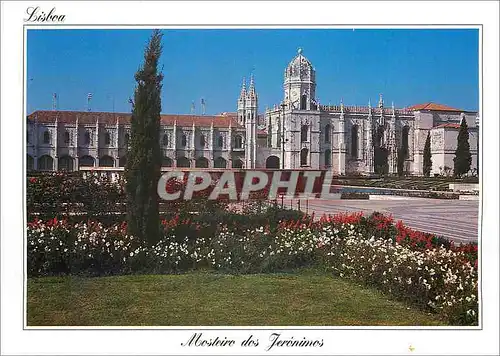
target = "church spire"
x: 380, y: 102
x: 251, y: 90
x: 243, y: 92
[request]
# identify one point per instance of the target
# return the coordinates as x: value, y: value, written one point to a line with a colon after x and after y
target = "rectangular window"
x: 303, y: 133
x: 87, y: 138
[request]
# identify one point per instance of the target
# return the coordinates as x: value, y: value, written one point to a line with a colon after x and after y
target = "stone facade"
x: 350, y: 139
x: 299, y: 133
x: 69, y: 140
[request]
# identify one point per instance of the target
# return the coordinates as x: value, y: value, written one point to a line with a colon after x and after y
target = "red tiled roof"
x: 447, y: 126
x: 109, y: 118
x: 433, y: 106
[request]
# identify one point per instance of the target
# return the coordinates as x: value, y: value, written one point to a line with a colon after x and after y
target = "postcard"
x: 190, y: 184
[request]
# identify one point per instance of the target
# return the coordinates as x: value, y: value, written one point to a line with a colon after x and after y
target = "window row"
x: 304, y: 134
x: 67, y: 163
x: 238, y: 141
x: 87, y: 139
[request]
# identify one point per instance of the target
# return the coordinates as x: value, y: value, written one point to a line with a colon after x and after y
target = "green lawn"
x: 206, y: 299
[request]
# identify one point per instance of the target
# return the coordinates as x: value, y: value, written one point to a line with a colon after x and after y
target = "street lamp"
x: 282, y: 143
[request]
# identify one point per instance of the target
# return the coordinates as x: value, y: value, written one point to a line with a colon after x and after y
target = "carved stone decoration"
x: 304, y: 71
x: 437, y: 138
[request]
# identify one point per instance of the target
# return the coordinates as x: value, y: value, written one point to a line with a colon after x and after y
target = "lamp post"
x: 283, y: 135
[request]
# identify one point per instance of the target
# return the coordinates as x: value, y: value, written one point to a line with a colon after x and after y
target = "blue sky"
x: 409, y: 66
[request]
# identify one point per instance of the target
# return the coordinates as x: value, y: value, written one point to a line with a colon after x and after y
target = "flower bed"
x: 407, y: 264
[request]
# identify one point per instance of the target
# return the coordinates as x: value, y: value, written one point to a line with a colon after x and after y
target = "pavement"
x: 454, y: 219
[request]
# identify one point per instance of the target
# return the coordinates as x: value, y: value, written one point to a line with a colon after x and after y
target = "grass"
x: 210, y: 299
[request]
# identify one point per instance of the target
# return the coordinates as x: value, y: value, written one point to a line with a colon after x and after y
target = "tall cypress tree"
x: 401, y: 161
x: 427, y: 166
x: 463, y: 158
x: 142, y: 170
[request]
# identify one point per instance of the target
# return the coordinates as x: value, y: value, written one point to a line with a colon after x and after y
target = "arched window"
x: 106, y: 161
x: 379, y: 137
x: 238, y: 141
x: 86, y: 161
x: 354, y: 141
x: 273, y: 162
x: 65, y: 163
x: 303, y: 133
x: 237, y: 163
x: 220, y: 163
x: 46, y: 137
x: 303, y: 102
x: 127, y: 139
x: 203, y: 141
x: 201, y: 162
x: 107, y: 138
x: 183, y: 162
x: 328, y: 158
x: 45, y: 163
x: 404, y: 140
x: 164, y: 140
x: 87, y: 138
x: 220, y: 141
x: 327, y: 133
x: 66, y: 137
x: 303, y: 156
x: 167, y: 162
x: 183, y: 141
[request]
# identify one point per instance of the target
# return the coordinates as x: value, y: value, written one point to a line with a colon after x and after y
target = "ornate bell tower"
x: 300, y: 84
x: 247, y: 116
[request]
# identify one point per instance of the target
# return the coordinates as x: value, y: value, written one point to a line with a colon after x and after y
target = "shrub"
x: 64, y: 194
x: 354, y: 195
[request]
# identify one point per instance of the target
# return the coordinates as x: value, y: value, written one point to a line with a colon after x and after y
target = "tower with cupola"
x: 300, y: 84
x: 301, y: 115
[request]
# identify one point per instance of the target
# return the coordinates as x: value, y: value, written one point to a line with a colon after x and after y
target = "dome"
x: 300, y: 67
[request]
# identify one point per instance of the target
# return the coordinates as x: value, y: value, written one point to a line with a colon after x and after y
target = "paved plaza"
x: 453, y: 219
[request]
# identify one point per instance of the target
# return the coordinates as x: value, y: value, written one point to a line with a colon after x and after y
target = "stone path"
x: 453, y: 219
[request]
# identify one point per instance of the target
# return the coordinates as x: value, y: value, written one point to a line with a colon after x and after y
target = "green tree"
x: 142, y: 170
x: 463, y: 157
x: 427, y: 156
